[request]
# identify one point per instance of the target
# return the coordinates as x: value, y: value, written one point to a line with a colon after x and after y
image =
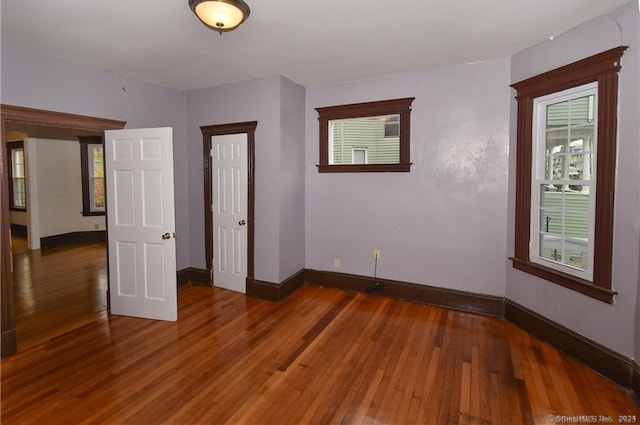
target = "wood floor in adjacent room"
x: 323, y: 356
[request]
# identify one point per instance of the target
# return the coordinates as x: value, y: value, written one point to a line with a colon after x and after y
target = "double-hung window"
x: 18, y: 183
x: 565, y: 174
x: 92, y: 167
x: 563, y: 180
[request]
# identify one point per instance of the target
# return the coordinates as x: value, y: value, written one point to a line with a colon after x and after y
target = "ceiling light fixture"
x: 220, y: 15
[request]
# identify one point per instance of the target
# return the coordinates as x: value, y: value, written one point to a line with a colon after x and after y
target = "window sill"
x: 368, y: 168
x: 17, y: 209
x: 563, y: 279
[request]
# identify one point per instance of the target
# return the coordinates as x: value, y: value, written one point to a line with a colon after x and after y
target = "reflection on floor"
x: 56, y: 288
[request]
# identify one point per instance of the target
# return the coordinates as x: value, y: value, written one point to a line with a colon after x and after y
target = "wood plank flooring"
x: 323, y: 356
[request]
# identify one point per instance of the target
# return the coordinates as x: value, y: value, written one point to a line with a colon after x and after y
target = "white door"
x: 141, y: 223
x: 230, y: 195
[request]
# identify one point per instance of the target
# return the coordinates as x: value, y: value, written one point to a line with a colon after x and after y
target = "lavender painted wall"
x: 264, y: 101
x: 292, y: 190
x: 443, y: 223
x: 615, y: 326
x: 38, y: 81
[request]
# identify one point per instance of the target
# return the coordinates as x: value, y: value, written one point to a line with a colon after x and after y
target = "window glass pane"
x: 98, y: 163
x: 98, y: 169
x: 555, y: 167
x: 551, y: 203
x: 18, y: 162
x: 577, y: 254
x: 580, y: 167
x: 18, y: 182
x: 557, y: 141
x: 19, y: 193
x: 98, y: 193
x: 581, y: 139
x: 582, y: 111
x: 564, y: 225
x: 392, y: 126
x: 576, y: 225
x: 550, y: 247
x: 558, y: 115
x: 368, y: 133
x: 556, y: 149
x: 584, y: 167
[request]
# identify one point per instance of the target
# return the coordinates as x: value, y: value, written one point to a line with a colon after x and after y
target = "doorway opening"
x: 25, y: 118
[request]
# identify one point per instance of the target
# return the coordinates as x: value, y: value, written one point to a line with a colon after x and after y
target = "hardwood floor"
x: 323, y: 356
x: 57, y: 289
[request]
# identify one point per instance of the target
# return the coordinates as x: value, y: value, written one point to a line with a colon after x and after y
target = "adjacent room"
x: 237, y: 212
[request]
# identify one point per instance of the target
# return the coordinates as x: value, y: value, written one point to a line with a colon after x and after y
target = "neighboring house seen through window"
x: 392, y: 126
x: 18, y: 183
x: 359, y: 156
x: 92, y: 166
x: 566, y: 149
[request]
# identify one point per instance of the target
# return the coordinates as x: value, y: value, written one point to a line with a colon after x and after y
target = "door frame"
x: 40, y: 117
x: 208, y: 131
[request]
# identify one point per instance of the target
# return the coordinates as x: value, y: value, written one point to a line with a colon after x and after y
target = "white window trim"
x: 538, y: 178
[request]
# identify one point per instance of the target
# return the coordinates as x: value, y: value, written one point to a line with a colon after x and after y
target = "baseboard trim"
x: 449, y: 298
x: 603, y: 360
x: 275, y: 292
x: 612, y: 365
x: 194, y: 276
x: 9, y: 343
x: 73, y: 238
x: 635, y: 383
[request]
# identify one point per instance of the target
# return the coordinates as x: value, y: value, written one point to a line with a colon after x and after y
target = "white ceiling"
x: 309, y: 41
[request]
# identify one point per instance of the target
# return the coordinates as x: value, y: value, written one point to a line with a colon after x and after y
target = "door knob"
x: 166, y: 236
x: 242, y: 222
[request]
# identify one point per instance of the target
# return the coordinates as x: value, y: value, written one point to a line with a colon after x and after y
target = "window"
x: 563, y: 180
x: 359, y: 156
x: 566, y: 149
x: 92, y: 166
x: 380, y: 128
x: 18, y: 184
x: 392, y: 126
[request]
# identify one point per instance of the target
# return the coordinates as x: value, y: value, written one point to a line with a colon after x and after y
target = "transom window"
x: 18, y: 183
x: 565, y: 174
x: 92, y: 167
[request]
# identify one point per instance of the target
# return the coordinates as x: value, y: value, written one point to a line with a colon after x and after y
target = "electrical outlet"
x: 376, y: 253
x: 336, y: 263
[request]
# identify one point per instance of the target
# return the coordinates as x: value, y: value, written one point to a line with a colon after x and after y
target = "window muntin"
x: 563, y: 179
x: 17, y: 172
x: 365, y: 125
x: 93, y: 183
